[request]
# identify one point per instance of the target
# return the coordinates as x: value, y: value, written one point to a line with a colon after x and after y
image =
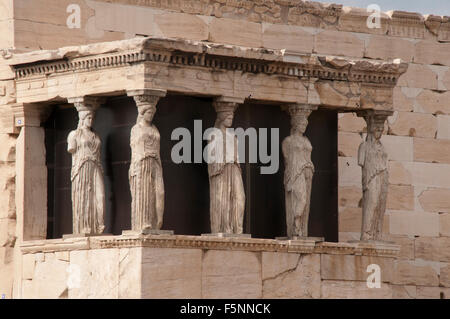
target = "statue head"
x: 299, y: 119
x: 225, y: 113
x: 299, y: 125
x: 225, y: 119
x: 86, y: 117
x: 375, y: 127
x: 146, y: 113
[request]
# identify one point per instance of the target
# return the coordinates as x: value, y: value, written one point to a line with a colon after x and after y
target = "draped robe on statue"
x: 88, y: 194
x: 298, y: 176
x: 375, y: 179
x: 227, y: 196
x: 146, y: 178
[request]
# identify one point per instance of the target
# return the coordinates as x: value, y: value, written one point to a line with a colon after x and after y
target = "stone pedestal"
x: 372, y: 242
x: 306, y: 238
x: 147, y: 232
x: 226, y: 235
x: 67, y: 236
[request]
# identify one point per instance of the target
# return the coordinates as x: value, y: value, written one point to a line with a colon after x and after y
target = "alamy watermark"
x: 74, y: 19
x: 222, y: 146
x: 374, y: 20
x: 374, y: 279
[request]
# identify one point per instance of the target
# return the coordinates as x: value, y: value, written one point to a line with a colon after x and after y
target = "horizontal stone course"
x: 353, y: 268
x: 415, y: 273
x: 431, y: 150
x: 413, y: 223
x: 433, y: 248
x: 412, y: 124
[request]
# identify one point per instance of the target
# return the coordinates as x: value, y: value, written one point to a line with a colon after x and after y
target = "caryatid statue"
x: 227, y: 195
x: 146, y: 174
x: 298, y: 173
x: 375, y: 178
x: 88, y: 191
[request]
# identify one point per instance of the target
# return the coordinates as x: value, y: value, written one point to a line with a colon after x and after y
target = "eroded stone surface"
x: 290, y: 275
x: 332, y: 289
x: 231, y: 274
x: 172, y: 273
x: 353, y: 268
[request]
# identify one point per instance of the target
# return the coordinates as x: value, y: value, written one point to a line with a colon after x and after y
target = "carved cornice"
x: 215, y: 57
x: 206, y: 242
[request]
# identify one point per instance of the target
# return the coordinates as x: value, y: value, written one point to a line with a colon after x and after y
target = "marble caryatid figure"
x: 146, y: 174
x: 88, y: 193
x: 375, y: 178
x: 227, y: 195
x: 298, y: 174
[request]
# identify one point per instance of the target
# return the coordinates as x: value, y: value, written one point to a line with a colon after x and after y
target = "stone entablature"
x: 209, y: 242
x: 202, y: 68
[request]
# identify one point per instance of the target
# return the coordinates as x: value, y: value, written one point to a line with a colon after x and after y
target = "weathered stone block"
x: 349, y: 171
x: 7, y: 34
x: 443, y: 127
x: 338, y: 93
x: 400, y: 197
x: 432, y: 52
x: 398, y: 148
x: 399, y: 174
x: 433, y: 248
x: 389, y: 48
x: 406, y: 24
x: 339, y: 43
x: 444, y: 225
x: 231, y: 274
x: 354, y: 268
x: 402, y: 102
x: 28, y: 265
x: 444, y: 278
x: 431, y: 150
x: 434, y: 102
x: 414, y: 224
x: 350, y: 220
x: 446, y: 79
x: 130, y: 273
x: 349, y: 122
x: 7, y: 232
x: 7, y: 194
x: 182, y: 25
x: 433, y: 293
x: 406, y: 244
x: 287, y: 275
x: 429, y: 174
x: 171, y: 273
x: 348, y: 144
x: 404, y: 292
x: 435, y: 200
x: 355, y: 20
x: 50, y: 279
x: 332, y: 289
x: 419, y: 76
x: 415, y: 273
x: 238, y: 32
x: 62, y: 255
x: 94, y: 267
x: 8, y: 143
x: 289, y: 37
x: 350, y: 196
x: 412, y: 124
